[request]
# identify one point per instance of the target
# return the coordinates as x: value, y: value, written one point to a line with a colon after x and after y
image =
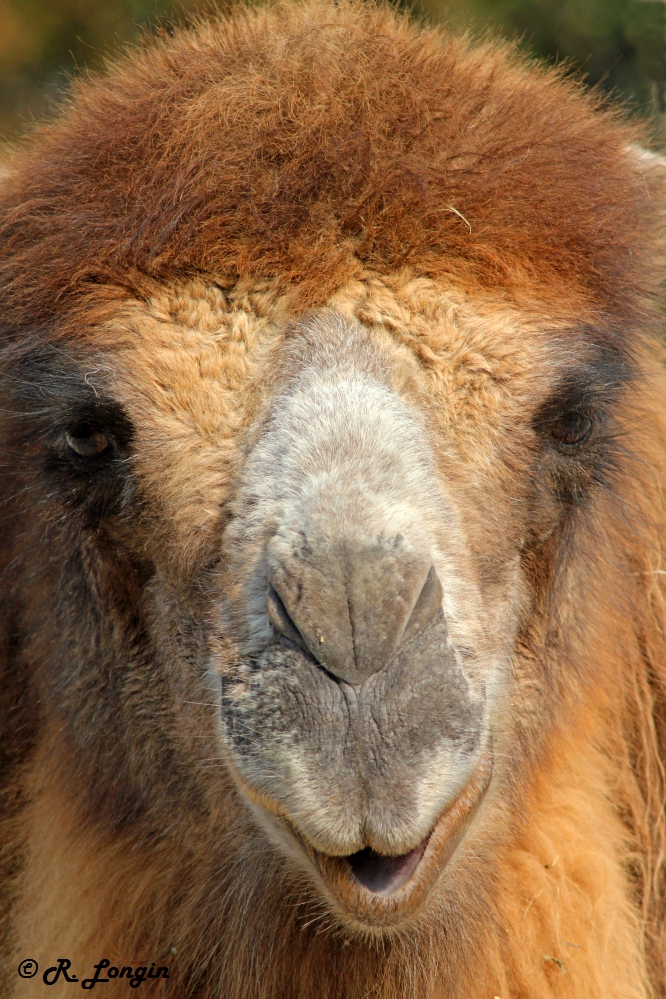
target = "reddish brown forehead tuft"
x: 315, y: 142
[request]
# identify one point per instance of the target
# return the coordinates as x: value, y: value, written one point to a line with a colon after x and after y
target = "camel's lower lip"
x: 381, y: 891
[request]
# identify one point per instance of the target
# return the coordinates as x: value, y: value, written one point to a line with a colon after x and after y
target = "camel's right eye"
x: 87, y: 443
x: 572, y: 429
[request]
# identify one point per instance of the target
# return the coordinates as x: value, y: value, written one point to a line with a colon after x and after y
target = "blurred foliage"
x: 618, y: 44
x: 44, y: 42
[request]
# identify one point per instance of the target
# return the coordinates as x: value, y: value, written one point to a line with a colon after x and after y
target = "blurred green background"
x: 619, y: 45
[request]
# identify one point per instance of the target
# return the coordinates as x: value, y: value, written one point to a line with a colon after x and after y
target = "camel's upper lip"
x: 380, y: 891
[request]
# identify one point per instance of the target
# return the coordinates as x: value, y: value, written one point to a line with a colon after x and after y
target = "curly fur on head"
x: 326, y: 199
x: 308, y: 142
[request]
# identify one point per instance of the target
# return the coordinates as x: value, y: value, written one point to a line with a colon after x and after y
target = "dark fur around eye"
x: 581, y: 405
x: 59, y: 426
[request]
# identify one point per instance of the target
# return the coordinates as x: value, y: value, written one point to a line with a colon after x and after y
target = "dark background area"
x: 619, y: 45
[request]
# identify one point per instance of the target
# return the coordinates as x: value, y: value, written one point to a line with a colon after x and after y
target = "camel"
x: 332, y: 630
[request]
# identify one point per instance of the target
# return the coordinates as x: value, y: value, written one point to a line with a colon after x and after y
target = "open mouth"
x: 376, y: 890
x: 385, y: 875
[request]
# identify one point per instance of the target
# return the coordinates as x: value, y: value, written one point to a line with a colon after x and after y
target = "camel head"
x: 335, y: 549
x: 331, y: 435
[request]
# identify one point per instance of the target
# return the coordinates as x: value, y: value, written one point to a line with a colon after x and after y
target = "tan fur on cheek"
x: 65, y: 899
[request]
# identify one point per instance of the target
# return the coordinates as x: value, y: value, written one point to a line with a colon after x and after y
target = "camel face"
x: 352, y: 544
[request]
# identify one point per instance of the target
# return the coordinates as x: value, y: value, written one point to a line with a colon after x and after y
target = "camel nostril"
x: 352, y: 613
x: 281, y: 620
x: 427, y: 607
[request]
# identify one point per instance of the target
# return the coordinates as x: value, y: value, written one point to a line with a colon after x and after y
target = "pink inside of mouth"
x: 385, y: 875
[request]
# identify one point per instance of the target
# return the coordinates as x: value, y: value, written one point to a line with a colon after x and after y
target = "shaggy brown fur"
x: 492, y: 228
x: 311, y: 144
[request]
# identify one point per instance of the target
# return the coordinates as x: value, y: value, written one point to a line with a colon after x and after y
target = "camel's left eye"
x: 87, y: 443
x: 571, y: 429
